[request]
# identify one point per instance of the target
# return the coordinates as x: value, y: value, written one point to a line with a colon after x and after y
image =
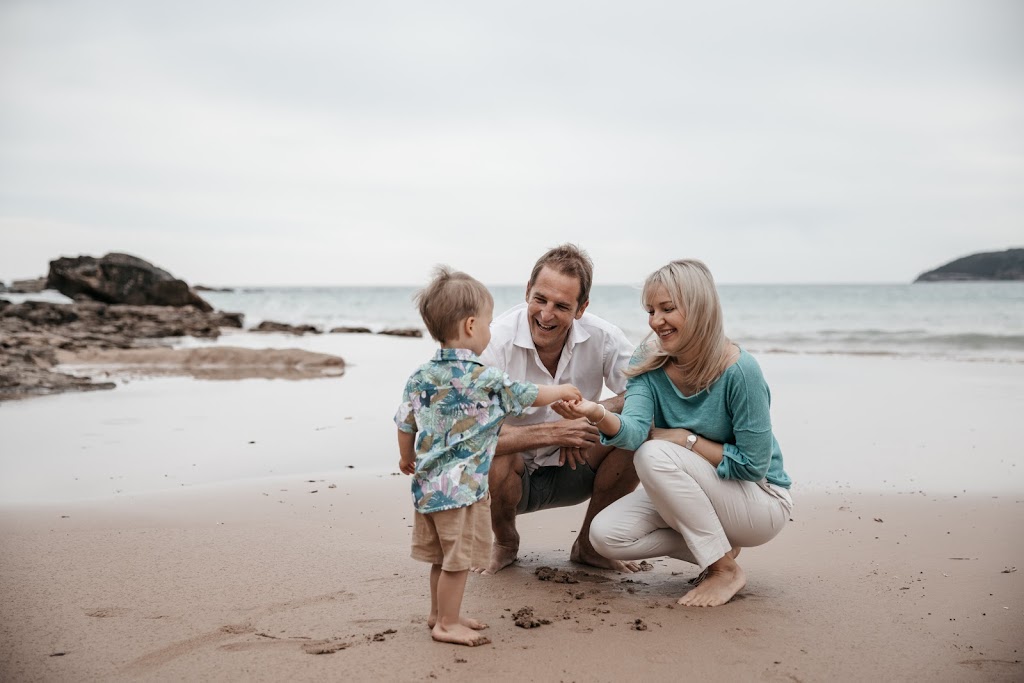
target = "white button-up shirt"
x: 595, y: 355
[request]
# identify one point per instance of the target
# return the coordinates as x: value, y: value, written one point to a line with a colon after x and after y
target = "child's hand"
x: 569, y: 393
x: 407, y: 466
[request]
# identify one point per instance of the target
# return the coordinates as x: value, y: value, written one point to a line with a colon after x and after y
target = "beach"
x: 176, y: 528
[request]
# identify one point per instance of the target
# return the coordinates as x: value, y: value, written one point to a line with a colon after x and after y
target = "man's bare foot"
x: 722, y: 580
x: 468, y: 622
x: 585, y: 554
x: 458, y: 634
x: 501, y: 557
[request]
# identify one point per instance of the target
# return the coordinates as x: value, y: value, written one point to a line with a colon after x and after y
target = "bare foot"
x: 501, y: 557
x: 458, y: 634
x: 722, y: 580
x: 587, y: 555
x: 468, y: 622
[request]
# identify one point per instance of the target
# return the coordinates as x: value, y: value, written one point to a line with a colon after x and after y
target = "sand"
x: 900, y: 562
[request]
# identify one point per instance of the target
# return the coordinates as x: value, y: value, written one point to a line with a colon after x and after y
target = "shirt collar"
x: 456, y: 355
x: 523, y: 338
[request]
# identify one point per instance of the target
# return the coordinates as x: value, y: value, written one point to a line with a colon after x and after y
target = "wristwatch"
x: 691, y: 441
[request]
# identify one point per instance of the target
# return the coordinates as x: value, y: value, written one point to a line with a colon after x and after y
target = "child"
x: 447, y: 431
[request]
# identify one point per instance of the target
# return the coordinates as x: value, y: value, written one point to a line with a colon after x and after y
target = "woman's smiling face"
x: 665, y: 318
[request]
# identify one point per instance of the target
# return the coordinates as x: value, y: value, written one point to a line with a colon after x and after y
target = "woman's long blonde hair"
x: 705, y: 348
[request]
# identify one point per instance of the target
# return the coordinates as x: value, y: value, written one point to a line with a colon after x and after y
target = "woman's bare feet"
x: 468, y: 622
x: 585, y: 554
x: 459, y: 635
x: 501, y: 557
x: 722, y: 580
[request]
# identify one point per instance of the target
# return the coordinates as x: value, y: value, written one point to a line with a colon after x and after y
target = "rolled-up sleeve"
x: 617, y: 353
x: 637, y: 415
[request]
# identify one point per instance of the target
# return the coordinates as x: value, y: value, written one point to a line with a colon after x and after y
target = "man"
x: 542, y: 460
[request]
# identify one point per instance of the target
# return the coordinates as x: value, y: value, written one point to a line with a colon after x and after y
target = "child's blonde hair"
x: 692, y: 289
x: 449, y: 298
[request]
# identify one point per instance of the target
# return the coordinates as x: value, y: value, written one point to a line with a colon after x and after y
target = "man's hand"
x: 574, y: 456
x: 407, y: 467
x: 578, y: 433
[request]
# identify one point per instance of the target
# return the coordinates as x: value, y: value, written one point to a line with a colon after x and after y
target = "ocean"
x: 960, y: 321
x: 963, y: 321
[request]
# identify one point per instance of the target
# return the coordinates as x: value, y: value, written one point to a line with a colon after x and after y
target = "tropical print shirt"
x: 455, y: 404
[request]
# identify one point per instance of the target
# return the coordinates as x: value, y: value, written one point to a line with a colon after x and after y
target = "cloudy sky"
x: 363, y: 142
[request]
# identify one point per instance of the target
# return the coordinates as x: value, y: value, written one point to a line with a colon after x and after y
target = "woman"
x: 712, y: 473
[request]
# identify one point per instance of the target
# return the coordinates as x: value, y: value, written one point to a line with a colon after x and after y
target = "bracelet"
x: 603, y: 416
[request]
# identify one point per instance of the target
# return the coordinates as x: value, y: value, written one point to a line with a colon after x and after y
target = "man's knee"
x: 616, y: 469
x: 505, y: 477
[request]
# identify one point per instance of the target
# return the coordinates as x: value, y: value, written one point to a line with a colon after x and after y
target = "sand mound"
x: 221, y: 362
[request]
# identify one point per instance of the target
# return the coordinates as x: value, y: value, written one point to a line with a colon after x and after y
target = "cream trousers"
x: 686, y: 511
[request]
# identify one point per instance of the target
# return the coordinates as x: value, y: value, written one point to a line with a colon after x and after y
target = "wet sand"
x: 207, y: 551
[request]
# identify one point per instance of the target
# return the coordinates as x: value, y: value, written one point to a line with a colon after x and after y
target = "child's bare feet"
x: 459, y: 635
x: 722, y: 580
x: 468, y: 622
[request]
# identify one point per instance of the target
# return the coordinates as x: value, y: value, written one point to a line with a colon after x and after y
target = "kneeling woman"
x: 712, y: 473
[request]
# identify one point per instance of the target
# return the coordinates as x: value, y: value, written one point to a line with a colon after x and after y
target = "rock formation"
x: 271, y: 326
x: 32, y: 333
x: 992, y: 265
x: 121, y: 279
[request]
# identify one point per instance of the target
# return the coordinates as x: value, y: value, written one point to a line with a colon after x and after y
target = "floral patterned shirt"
x: 455, y: 404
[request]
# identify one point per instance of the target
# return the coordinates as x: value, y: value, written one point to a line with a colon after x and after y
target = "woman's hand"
x: 588, y: 410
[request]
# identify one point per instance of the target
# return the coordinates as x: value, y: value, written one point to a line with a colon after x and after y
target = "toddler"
x: 447, y: 430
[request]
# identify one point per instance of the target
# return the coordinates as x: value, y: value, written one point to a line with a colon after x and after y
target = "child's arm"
x: 407, y: 451
x: 549, y: 393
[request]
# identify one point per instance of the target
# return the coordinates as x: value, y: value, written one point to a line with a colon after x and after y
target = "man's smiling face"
x: 551, y: 307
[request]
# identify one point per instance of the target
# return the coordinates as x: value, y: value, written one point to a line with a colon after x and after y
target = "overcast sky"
x: 363, y: 142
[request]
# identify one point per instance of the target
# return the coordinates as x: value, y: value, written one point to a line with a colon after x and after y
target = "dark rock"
x: 403, y: 332
x: 121, y: 279
x: 271, y: 326
x: 32, y: 333
x: 33, y: 286
x: 204, y: 288
x: 992, y: 265
x: 350, y: 330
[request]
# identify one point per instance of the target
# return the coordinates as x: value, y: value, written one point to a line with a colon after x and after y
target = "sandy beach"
x: 182, y: 529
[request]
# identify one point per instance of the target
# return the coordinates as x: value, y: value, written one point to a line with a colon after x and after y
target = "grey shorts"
x: 555, y: 487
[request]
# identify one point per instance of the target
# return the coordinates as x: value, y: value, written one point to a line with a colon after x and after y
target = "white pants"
x: 686, y: 511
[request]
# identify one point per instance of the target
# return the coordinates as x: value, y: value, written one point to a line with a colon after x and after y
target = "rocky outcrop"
x: 350, y: 330
x: 32, y: 286
x: 402, y: 332
x: 993, y: 265
x: 271, y: 326
x: 121, y: 279
x: 31, y: 334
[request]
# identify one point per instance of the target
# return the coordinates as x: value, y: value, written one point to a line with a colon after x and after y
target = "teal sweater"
x: 733, y: 411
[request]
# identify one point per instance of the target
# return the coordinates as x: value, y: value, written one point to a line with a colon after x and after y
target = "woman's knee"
x: 603, y: 535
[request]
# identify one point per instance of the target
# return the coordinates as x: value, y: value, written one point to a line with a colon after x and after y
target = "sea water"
x: 963, y: 321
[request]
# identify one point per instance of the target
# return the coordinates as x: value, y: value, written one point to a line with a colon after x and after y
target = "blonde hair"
x: 704, y: 347
x: 449, y: 298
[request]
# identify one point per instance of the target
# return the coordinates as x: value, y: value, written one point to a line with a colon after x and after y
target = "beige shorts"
x: 456, y: 539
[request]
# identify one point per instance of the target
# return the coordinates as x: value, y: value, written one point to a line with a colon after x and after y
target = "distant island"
x: 991, y: 265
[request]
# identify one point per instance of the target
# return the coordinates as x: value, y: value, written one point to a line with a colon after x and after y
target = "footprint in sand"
x: 105, y: 612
